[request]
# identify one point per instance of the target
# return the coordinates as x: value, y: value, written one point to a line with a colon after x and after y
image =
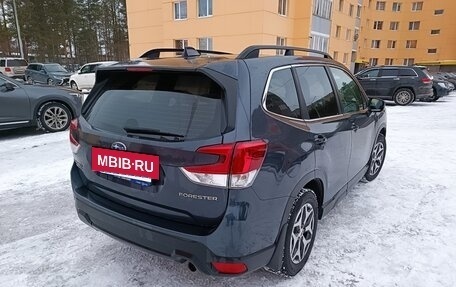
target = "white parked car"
x: 84, y: 78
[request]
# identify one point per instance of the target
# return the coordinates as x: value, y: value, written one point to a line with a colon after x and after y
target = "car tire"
x: 54, y: 117
x: 74, y: 86
x: 300, y: 234
x: 403, y: 97
x: 377, y: 158
x: 434, y: 96
x: 29, y: 80
x: 50, y: 82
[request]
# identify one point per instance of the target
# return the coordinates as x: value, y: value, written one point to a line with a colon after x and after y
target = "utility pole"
x: 19, y: 39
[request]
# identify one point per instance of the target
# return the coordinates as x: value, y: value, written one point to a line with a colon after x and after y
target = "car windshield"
x: 55, y: 68
x: 17, y: 63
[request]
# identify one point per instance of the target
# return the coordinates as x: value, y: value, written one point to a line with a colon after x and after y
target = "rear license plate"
x: 127, y: 164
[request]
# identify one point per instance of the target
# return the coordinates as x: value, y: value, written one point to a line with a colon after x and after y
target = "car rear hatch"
x: 18, y: 66
x: 172, y: 115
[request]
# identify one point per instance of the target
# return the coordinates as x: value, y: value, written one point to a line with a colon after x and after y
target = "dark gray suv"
x: 402, y: 84
x: 223, y: 162
x: 52, y: 74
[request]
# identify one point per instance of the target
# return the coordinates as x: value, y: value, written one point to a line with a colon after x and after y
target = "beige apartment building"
x: 407, y: 32
x: 349, y: 30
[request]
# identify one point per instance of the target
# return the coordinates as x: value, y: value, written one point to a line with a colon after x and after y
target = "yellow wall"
x: 234, y: 25
x: 445, y: 43
x: 341, y: 44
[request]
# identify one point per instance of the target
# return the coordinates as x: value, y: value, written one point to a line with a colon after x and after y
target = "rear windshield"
x: 17, y: 63
x: 187, y: 105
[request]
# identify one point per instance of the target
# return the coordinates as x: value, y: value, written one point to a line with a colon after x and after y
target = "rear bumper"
x: 424, y: 93
x: 179, y: 246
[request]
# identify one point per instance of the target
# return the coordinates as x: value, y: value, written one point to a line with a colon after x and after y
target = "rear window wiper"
x: 142, y: 132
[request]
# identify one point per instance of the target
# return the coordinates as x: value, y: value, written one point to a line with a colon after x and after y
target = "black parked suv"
x: 224, y: 162
x: 402, y: 84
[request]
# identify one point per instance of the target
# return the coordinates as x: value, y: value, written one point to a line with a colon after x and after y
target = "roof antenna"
x: 190, y: 52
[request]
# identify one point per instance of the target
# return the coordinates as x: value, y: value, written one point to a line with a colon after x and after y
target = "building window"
x: 283, y: 7
x: 375, y: 44
x: 394, y: 25
x: 335, y: 55
x: 180, y: 10
x: 435, y: 32
x: 180, y: 44
x: 410, y: 44
x: 204, y: 8
x: 373, y: 61
x: 388, y: 61
x: 380, y: 5
x: 341, y: 5
x: 356, y: 36
x: 432, y: 51
x: 417, y: 6
x: 397, y: 6
x: 358, y: 11
x: 281, y: 41
x: 319, y: 42
x: 348, y: 35
x: 353, y: 57
x: 345, y: 58
x: 338, y: 28
x: 414, y: 25
x: 391, y: 44
x: 351, y: 10
x: 322, y: 8
x: 205, y: 44
x: 438, y: 12
x: 409, y: 62
x: 378, y: 25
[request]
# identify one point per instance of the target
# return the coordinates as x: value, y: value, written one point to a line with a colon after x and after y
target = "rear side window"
x: 282, y: 97
x: 390, y: 72
x: 350, y: 95
x: 186, y: 105
x: 2, y: 63
x: 407, y: 73
x: 318, y: 93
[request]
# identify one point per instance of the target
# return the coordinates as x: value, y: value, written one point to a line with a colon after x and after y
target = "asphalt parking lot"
x: 398, y: 230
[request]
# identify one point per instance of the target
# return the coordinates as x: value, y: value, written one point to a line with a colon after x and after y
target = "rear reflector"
x: 74, y: 136
x: 7, y: 69
x: 230, y: 268
x: 237, y: 165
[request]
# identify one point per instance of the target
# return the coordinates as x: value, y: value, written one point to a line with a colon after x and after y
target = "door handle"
x: 372, y: 79
x: 354, y: 127
x: 320, y: 139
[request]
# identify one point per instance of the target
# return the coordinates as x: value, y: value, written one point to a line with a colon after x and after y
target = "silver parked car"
x: 49, y: 108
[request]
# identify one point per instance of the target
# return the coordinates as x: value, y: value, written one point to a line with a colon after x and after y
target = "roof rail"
x: 254, y: 51
x: 187, y: 52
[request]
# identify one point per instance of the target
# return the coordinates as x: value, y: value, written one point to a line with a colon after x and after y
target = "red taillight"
x: 237, y: 166
x: 74, y: 136
x: 7, y: 69
x: 426, y: 80
x: 222, y: 166
x: 230, y: 268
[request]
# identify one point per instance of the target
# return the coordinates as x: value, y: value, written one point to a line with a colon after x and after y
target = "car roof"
x: 101, y: 63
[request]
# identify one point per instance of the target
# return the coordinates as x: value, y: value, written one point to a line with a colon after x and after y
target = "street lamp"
x: 19, y: 39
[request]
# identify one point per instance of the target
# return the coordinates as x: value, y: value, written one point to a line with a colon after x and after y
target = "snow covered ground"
x: 399, y: 230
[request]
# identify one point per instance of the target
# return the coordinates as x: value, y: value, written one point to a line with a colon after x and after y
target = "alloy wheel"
x: 301, y: 236
x: 55, y: 118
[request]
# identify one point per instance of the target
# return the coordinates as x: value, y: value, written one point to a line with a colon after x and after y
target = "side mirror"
x: 8, y: 86
x: 78, y: 72
x: 376, y: 105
